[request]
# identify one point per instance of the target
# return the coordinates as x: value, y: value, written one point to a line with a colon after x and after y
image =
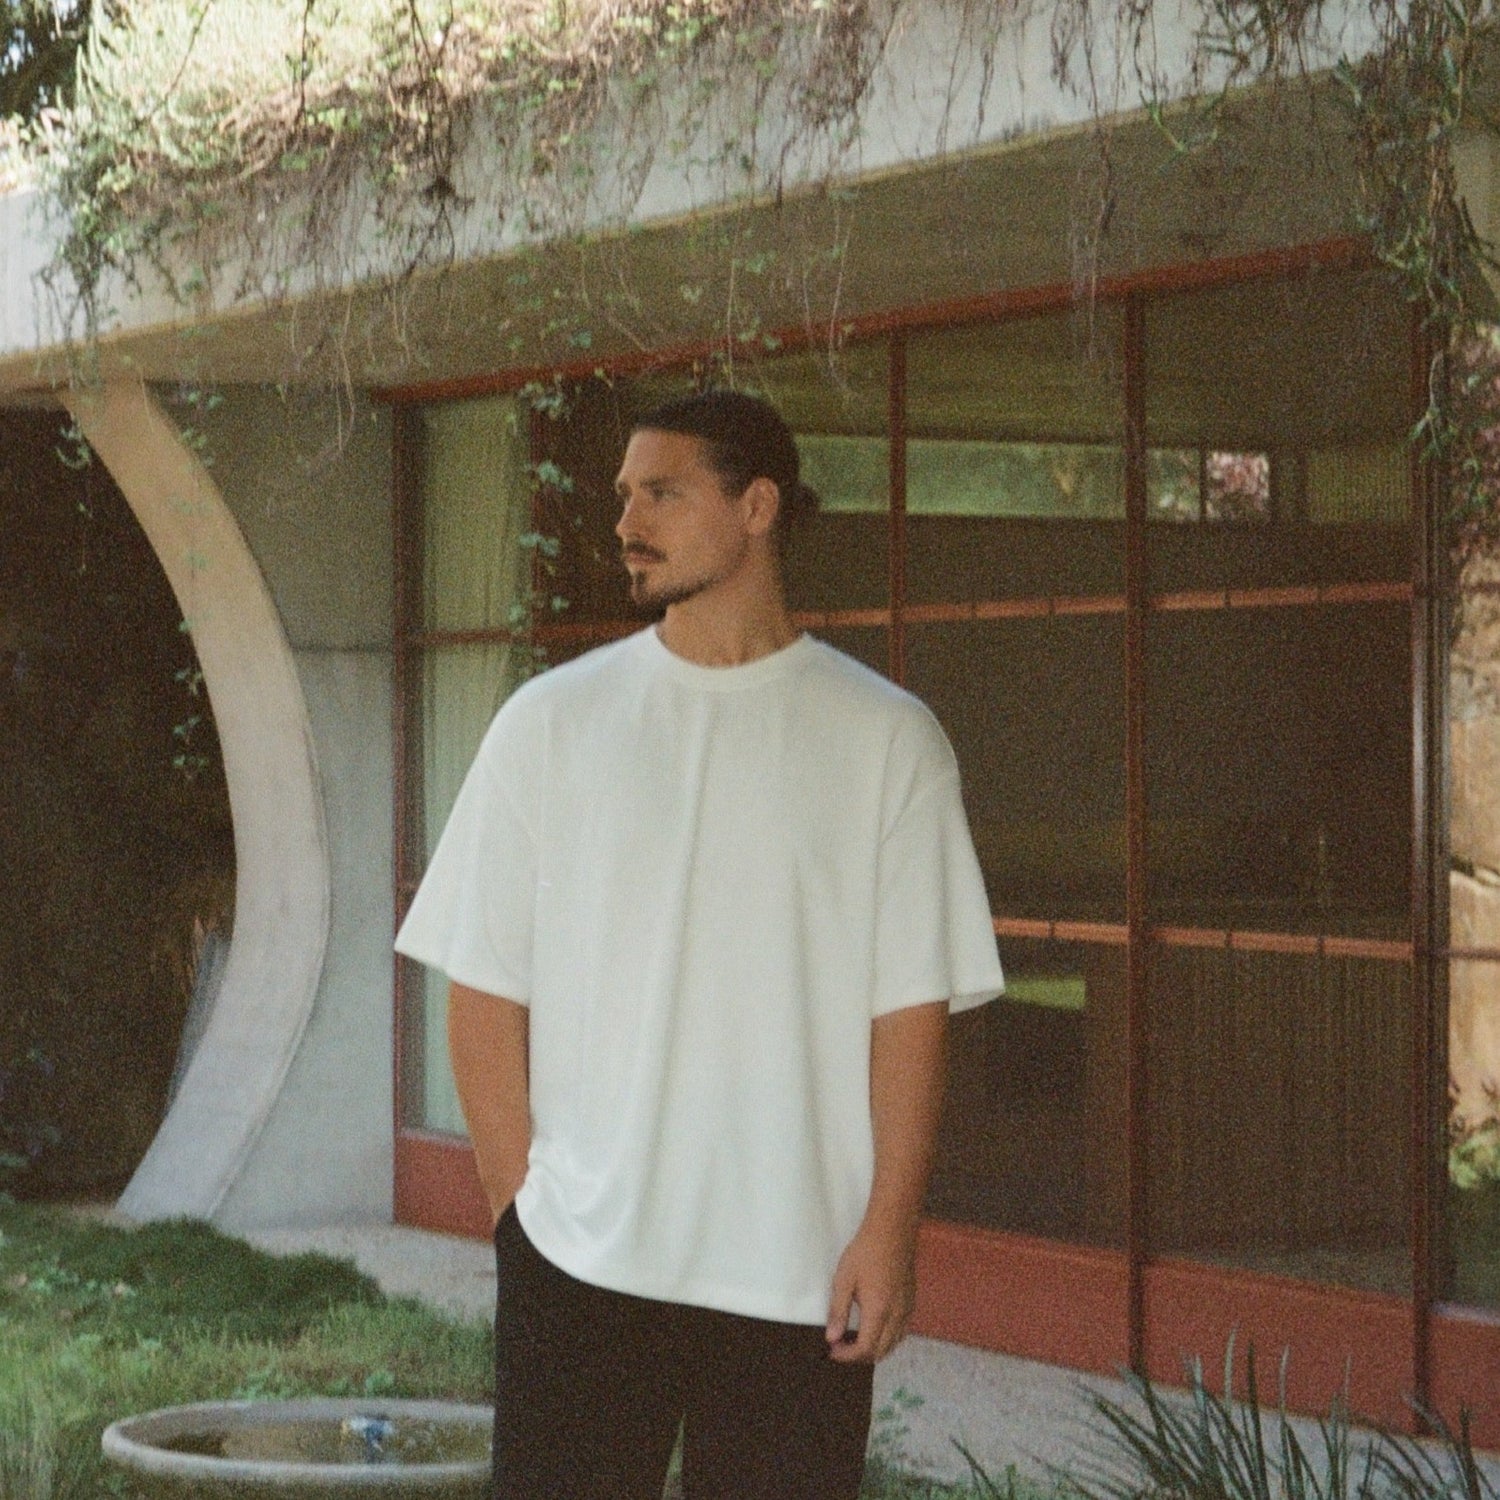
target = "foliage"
x: 169, y: 1279
x: 27, y: 1125
x: 299, y: 144
x: 1412, y: 100
x: 97, y: 1321
x: 38, y: 52
x: 1209, y: 1446
x: 889, y: 1476
x: 1474, y: 1153
x: 1408, y: 94
x: 305, y: 141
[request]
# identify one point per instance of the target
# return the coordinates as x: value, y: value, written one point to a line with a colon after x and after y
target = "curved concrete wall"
x: 283, y: 894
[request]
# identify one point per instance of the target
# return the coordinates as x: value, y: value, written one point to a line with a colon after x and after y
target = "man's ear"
x: 762, y: 502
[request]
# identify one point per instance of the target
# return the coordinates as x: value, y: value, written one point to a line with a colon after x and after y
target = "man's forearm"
x: 487, y: 1043
x: 907, y: 1062
x: 876, y: 1272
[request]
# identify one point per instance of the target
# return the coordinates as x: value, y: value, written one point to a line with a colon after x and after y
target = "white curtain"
x: 476, y: 507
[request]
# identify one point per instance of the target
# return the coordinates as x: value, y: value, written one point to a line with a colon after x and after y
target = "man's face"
x: 680, y: 534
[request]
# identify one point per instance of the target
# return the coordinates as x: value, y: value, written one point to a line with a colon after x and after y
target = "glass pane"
x: 1036, y: 713
x: 868, y: 644
x: 1198, y: 484
x: 1278, y: 763
x: 1035, y: 1110
x: 1015, y: 470
x: 1280, y: 1114
x: 837, y: 403
x: 1284, y: 403
x: 581, y: 440
x: 1471, y: 1267
x: 476, y: 507
x: 462, y: 687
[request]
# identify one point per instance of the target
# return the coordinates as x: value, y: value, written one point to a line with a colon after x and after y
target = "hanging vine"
x: 298, y: 145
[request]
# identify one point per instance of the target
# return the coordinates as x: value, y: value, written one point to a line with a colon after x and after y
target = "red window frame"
x: 1089, y: 1308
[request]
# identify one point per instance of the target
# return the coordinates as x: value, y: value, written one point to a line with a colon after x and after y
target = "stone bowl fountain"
x: 314, y: 1449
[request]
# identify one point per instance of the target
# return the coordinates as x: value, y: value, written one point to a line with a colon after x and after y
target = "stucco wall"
x: 307, y: 476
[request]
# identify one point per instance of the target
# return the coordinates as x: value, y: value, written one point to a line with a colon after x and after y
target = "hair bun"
x: 801, y: 503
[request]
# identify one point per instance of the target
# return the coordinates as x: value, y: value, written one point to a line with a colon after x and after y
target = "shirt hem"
x: 808, y: 1312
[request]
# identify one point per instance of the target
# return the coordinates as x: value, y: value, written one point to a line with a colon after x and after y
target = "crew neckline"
x: 729, y: 679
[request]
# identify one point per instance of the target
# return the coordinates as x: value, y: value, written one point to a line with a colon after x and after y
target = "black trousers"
x: 591, y: 1387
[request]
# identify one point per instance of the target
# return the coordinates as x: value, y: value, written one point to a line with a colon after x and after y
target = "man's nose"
x: 625, y: 526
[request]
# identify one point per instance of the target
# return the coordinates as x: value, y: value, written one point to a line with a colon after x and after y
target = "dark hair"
x: 746, y: 439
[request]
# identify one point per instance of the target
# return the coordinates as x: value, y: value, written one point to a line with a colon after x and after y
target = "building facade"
x: 1132, y: 505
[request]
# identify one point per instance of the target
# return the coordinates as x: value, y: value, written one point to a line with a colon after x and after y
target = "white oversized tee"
x: 705, y: 883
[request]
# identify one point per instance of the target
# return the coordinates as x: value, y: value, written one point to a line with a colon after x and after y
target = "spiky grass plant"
x: 37, y: 1459
x: 1442, y: 1470
x: 1207, y: 1446
x: 1212, y: 1447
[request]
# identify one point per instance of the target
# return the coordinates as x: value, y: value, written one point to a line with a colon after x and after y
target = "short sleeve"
x: 934, y: 938
x: 474, y: 913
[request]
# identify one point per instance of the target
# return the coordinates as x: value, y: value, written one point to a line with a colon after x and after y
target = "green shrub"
x: 97, y: 1322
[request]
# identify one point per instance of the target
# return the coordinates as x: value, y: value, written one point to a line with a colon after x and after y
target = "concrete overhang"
x: 971, y: 178
x: 1068, y: 207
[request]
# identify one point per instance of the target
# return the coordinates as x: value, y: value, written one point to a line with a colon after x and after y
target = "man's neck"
x: 713, y: 636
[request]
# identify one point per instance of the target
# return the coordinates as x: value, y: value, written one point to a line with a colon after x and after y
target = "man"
x: 705, y: 900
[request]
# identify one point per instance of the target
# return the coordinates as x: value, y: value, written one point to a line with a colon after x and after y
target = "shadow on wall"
x: 116, y: 850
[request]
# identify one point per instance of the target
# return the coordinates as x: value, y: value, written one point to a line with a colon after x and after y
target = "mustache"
x: 640, y: 550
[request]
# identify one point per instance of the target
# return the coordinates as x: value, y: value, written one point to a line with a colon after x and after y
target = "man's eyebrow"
x: 655, y: 484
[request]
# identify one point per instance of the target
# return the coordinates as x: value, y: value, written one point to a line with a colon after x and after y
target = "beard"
x: 652, y: 599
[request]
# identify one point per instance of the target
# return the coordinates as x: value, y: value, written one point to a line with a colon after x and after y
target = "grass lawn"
x: 97, y: 1322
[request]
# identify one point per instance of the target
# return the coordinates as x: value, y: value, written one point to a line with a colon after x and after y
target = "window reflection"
x: 1012, y: 429
x: 1280, y: 1100
x: 1032, y: 1137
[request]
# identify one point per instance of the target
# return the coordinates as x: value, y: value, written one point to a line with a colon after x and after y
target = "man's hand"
x: 877, y: 1274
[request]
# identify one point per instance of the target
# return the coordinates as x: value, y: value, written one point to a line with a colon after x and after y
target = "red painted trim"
x: 1022, y: 927
x: 836, y: 619
x: 1345, y: 251
x: 1091, y: 932
x: 437, y: 1185
x: 1466, y: 1370
x: 1367, y: 593
x: 1428, y: 1063
x: 1137, y: 938
x: 896, y: 437
x: 1100, y: 604
x: 1387, y: 952
x: 1191, y: 599
x: 1282, y: 598
x: 405, y: 519
x: 481, y: 635
x: 1325, y: 946
x: 1064, y: 1304
x: 1031, y: 607
x: 1062, y: 932
x: 1190, y: 937
x: 1397, y: 592
x: 1333, y: 1334
x: 1273, y: 942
